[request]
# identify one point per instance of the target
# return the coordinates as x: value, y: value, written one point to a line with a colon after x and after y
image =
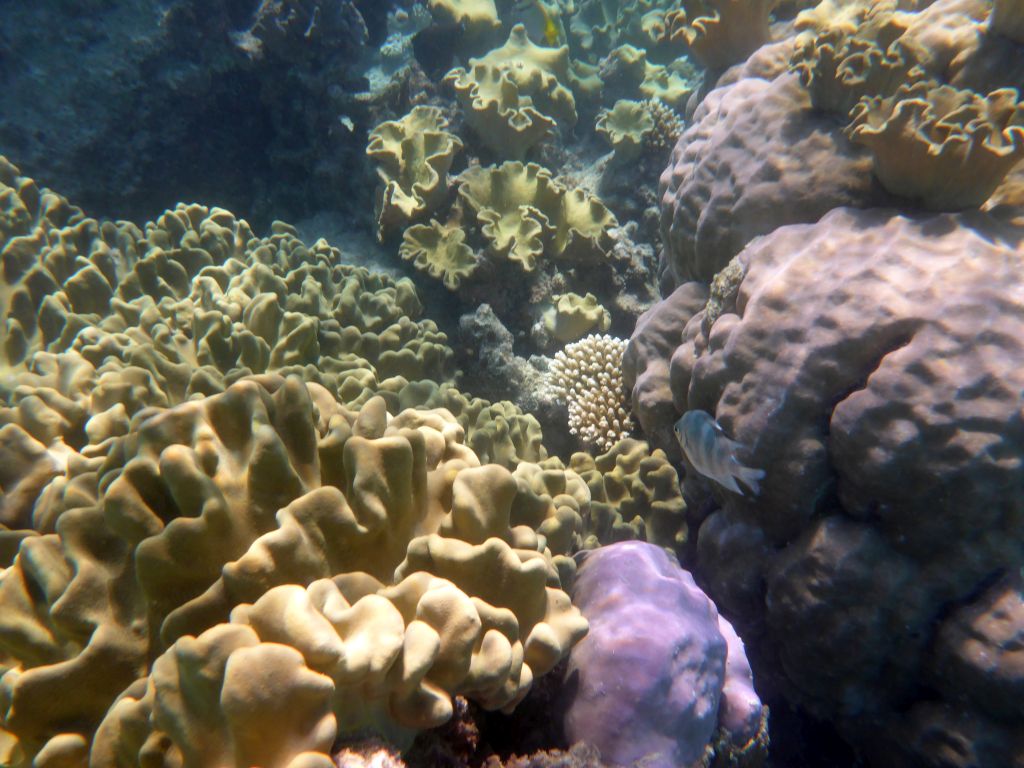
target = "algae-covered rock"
x: 413, y: 157
x: 944, y: 147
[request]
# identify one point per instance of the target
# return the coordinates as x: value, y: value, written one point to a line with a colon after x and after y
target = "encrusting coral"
x: 587, y: 376
x: 944, y: 147
x: 413, y: 157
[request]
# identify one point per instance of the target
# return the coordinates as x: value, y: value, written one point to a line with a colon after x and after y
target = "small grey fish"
x: 713, y: 454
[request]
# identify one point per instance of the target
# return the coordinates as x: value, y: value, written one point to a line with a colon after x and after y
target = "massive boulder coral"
x: 871, y: 364
x: 945, y: 148
x: 785, y: 162
x: 220, y: 512
x: 413, y: 157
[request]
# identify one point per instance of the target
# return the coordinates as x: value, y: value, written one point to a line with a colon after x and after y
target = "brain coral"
x: 246, y: 519
x: 871, y: 364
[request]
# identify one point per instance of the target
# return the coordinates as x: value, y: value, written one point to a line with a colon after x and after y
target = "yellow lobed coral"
x: 634, y: 494
x: 516, y: 94
x: 413, y: 157
x: 220, y: 513
x: 944, y: 147
x: 477, y: 17
x: 626, y: 126
x: 597, y: 27
x: 838, y: 69
x: 721, y: 32
x: 525, y: 213
x: 587, y: 376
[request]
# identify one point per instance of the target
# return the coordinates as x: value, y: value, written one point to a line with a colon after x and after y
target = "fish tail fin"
x: 751, y: 478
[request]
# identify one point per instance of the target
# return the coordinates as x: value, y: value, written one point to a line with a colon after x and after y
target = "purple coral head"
x: 647, y: 681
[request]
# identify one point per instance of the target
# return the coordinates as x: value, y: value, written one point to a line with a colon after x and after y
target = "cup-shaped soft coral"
x: 839, y: 69
x: 721, y: 33
x: 945, y: 147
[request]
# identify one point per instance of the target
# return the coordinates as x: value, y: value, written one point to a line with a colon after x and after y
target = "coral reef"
x: 238, y: 524
x: 516, y: 94
x: 573, y: 316
x: 721, y: 32
x: 634, y: 494
x: 787, y: 164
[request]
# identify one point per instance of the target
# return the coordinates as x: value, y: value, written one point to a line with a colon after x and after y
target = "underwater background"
x: 525, y: 383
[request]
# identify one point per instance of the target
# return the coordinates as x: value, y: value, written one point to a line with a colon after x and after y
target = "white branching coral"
x: 587, y: 375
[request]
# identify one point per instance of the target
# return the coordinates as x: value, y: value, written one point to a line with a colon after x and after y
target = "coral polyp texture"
x: 587, y: 376
x: 944, y: 147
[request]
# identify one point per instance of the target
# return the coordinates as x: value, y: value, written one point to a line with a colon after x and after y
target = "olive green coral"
x: 839, y: 67
x: 413, y: 157
x: 516, y: 94
x: 573, y: 316
x: 944, y: 147
x: 525, y: 213
x: 439, y: 250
